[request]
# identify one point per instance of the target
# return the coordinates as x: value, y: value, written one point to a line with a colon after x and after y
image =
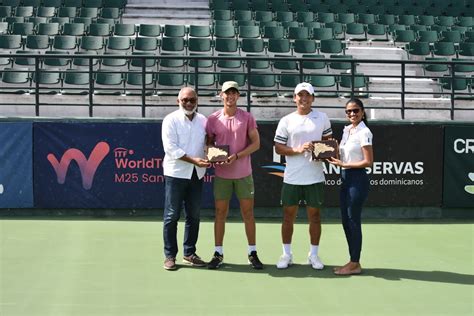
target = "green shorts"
x: 312, y: 195
x: 243, y: 188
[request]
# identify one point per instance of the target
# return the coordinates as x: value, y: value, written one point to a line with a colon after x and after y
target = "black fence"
x: 145, y: 76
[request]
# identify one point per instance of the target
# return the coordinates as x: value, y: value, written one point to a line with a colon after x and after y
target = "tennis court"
x: 85, y: 266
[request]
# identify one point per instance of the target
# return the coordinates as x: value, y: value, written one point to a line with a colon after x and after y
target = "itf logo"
x: 88, y: 167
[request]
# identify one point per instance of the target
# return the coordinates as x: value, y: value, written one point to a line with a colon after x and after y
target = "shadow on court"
x: 304, y: 271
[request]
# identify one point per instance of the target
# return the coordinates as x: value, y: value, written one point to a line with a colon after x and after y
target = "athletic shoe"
x: 285, y: 261
x: 254, y: 261
x: 170, y: 263
x: 216, y: 261
x: 315, y: 262
x: 194, y: 260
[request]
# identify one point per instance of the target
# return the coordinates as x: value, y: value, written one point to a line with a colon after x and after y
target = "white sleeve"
x: 169, y: 136
x: 281, y: 134
x: 366, y: 137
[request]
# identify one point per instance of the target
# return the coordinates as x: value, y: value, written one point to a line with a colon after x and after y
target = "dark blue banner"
x: 16, y: 177
x: 100, y: 165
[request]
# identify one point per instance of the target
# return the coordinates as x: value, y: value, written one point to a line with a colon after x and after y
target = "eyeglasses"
x: 355, y: 111
x: 186, y: 100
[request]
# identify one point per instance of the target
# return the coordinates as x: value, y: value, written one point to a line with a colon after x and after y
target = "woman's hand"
x: 335, y: 161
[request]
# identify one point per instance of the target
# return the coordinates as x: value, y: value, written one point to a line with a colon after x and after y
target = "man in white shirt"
x: 184, y: 165
x: 303, y: 179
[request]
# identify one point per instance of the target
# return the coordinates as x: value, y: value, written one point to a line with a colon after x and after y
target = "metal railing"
x: 452, y: 84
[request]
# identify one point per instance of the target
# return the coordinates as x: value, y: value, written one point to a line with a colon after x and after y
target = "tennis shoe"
x: 285, y: 261
x: 315, y: 262
x: 216, y: 261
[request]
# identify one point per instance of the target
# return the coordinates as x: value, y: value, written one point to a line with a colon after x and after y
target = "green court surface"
x: 114, y: 267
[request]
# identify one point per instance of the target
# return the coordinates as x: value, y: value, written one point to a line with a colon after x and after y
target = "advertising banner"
x: 458, y: 166
x: 100, y: 165
x: 407, y: 168
x: 16, y: 175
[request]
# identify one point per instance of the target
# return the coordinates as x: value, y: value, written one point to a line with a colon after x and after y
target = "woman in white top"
x: 356, y: 154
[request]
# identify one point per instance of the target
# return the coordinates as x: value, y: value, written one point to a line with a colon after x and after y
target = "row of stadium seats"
x: 434, y: 8
x: 66, y: 12
x: 345, y: 18
x: 65, y: 3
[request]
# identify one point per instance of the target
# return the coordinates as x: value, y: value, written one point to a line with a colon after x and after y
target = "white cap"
x: 230, y: 85
x: 304, y: 86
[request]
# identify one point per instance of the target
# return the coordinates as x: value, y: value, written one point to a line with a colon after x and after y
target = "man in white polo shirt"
x: 183, y: 135
x: 303, y: 178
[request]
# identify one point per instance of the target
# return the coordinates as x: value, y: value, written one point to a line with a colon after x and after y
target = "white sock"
x: 313, y: 250
x: 252, y: 248
x: 219, y: 249
x: 287, y: 249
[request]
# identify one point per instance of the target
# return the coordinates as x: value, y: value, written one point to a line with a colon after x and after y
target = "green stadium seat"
x: 469, y: 36
x: 304, y: 46
x: 258, y: 61
x: 139, y: 62
x: 305, y: 16
x: 243, y: 15
x: 172, y: 63
x: 111, y: 13
x: 150, y: 30
x: 355, y: 31
x: 15, y: 80
x: 295, y: 33
x: 340, y: 65
x: 404, y: 36
x: 467, y: 21
x: 366, y: 18
x: 54, y: 61
x: 376, y: 10
x: 49, y: 81
x: 273, y: 32
x: 226, y: 45
x: 285, y: 64
x: 92, y: 3
x: 284, y: 16
x: 172, y: 44
x: 200, y: 44
x: 220, y: 5
x: 60, y: 20
x: 252, y: 45
x: 463, y: 65
x: 24, y: 11
x: 262, y: 84
x: 318, y: 7
x: 115, y: 4
x: 10, y: 41
x: 406, y: 19
x: 170, y: 30
x: 314, y: 64
x: 199, y: 31
x: 203, y: 83
x: 88, y: 12
x: 279, y: 45
x: 47, y: 12
x: 259, y: 5
x: 360, y: 86
x: 297, y: 6
x: 78, y: 62
x: 418, y: 48
x: 287, y: 84
x: 320, y: 34
x: 37, y: 42
x: 32, y: 3
x: 14, y: 19
x: 279, y: 5
x: 108, y: 83
x: 74, y: 29
x: 99, y: 29
x: 5, y: 11
x: 24, y: 29
x: 75, y: 82
x: 169, y: 83
x: 208, y: 62
x: 264, y: 16
x: 377, y: 32
x: 427, y: 20
x: 447, y: 21
x: 451, y: 36
x: 249, y: 31
x: 332, y: 46
x: 226, y: 23
x: 325, y: 17
x: 229, y: 63
x: 116, y: 62
x: 72, y: 3
x: 460, y: 83
x: 36, y: 20
x: 337, y: 29
x: 52, y: 3
x: 118, y: 43
x: 240, y: 4
x: 149, y: 44
x: 386, y: 19
x: 134, y: 83
x: 124, y: 29
x: 444, y: 49
x: 466, y: 49
x: 91, y: 43
x: 12, y: 3
x: 50, y: 29
x: 428, y: 36
x: 324, y: 85
x: 346, y: 18
x: 67, y: 12
x: 25, y: 61
x: 224, y: 31
x: 222, y: 15
x: 438, y: 68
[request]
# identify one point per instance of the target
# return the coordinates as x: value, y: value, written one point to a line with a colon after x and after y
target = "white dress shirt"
x: 180, y: 137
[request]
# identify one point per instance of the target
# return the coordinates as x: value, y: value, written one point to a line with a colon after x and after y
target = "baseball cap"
x: 304, y: 86
x: 230, y: 85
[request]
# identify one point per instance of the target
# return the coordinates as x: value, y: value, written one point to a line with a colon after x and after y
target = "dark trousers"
x: 181, y: 193
x: 354, y: 191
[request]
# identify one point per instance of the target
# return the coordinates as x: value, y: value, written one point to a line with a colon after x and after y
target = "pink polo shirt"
x: 232, y: 131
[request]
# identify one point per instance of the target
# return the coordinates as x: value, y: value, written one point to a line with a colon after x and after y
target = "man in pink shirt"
x: 238, y: 129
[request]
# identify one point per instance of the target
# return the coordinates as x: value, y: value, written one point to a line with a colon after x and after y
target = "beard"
x: 188, y: 112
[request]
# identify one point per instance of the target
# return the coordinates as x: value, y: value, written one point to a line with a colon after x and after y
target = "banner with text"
x: 407, y: 170
x: 16, y: 174
x: 100, y: 165
x: 458, y: 166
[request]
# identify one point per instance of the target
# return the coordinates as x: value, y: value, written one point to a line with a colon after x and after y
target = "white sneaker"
x: 315, y: 262
x: 285, y: 261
